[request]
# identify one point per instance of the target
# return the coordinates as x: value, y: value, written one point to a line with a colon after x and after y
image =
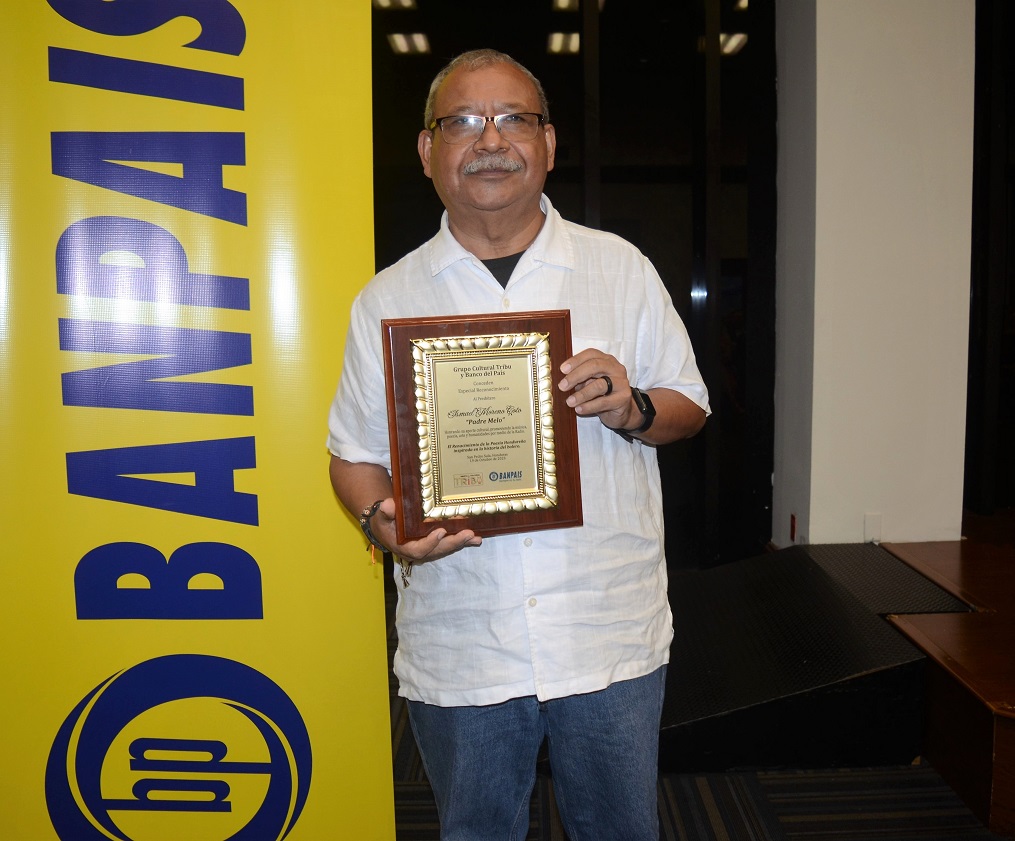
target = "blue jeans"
x: 603, y: 749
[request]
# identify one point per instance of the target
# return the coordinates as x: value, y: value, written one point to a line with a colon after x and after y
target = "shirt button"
x: 506, y: 303
x: 532, y: 602
x: 528, y: 541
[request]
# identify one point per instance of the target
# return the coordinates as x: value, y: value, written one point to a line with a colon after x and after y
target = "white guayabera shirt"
x: 547, y: 613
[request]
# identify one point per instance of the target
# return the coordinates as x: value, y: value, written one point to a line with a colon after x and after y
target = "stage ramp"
x: 786, y: 660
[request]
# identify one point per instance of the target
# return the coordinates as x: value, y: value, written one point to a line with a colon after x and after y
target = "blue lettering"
x: 178, y: 351
x: 113, y: 474
x: 100, y: 594
x: 86, y: 265
x: 143, y: 757
x: 218, y: 789
x: 164, y: 81
x: 91, y: 157
x: 222, y: 27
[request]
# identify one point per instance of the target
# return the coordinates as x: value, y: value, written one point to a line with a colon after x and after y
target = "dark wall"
x: 667, y: 143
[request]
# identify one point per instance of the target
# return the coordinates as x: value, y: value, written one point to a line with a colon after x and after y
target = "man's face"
x: 490, y: 173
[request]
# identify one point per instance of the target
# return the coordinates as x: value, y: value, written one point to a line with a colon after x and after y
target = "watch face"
x: 644, y: 404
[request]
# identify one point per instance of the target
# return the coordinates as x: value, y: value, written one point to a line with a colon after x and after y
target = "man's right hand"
x: 437, y: 544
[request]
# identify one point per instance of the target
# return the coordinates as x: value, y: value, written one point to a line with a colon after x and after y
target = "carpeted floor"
x: 909, y: 803
x: 903, y: 804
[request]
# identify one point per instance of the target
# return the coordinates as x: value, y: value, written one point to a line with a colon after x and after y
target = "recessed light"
x: 571, y: 5
x: 732, y: 44
x: 563, y: 43
x: 409, y: 43
x: 729, y: 44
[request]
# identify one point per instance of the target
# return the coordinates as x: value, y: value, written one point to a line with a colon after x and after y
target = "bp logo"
x: 184, y: 746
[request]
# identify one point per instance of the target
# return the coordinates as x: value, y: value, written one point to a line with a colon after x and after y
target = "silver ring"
x: 609, y: 385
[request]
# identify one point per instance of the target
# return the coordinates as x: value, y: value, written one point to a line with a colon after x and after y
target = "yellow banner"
x: 193, y: 637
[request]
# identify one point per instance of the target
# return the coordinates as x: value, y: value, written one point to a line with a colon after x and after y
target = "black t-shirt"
x: 501, y: 267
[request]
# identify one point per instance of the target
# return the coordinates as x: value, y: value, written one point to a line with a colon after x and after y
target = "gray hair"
x: 474, y: 60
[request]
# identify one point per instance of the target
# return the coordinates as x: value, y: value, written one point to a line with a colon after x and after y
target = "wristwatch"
x: 648, y: 414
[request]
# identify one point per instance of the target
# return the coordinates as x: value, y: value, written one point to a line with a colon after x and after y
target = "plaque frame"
x: 411, y: 345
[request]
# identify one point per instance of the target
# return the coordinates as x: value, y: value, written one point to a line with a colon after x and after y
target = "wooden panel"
x: 1002, y: 812
x: 970, y: 736
x: 959, y: 739
x: 976, y: 647
x: 981, y: 574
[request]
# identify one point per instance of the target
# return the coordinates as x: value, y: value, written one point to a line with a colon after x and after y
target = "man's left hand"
x: 600, y: 388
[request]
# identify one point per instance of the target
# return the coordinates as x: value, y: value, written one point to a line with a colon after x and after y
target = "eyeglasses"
x: 466, y: 128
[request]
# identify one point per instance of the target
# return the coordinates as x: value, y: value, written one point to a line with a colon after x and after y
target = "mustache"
x: 496, y: 162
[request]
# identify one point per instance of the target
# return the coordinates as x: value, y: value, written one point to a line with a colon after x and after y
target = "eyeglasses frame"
x: 495, y: 119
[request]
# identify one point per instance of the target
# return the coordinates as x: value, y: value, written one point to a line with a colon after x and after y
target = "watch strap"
x: 648, y: 413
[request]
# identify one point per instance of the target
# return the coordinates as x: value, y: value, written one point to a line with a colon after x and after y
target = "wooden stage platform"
x: 852, y: 655
x: 970, y: 674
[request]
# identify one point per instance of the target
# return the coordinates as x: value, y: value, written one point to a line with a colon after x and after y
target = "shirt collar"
x: 552, y: 244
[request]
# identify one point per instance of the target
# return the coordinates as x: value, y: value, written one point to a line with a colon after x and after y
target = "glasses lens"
x: 467, y: 128
x: 461, y: 129
x: 518, y: 126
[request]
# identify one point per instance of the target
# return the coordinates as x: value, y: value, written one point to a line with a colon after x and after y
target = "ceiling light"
x: 563, y: 43
x: 728, y: 44
x: 412, y: 43
x: 732, y: 44
x: 394, y: 4
x: 741, y: 5
x: 571, y: 5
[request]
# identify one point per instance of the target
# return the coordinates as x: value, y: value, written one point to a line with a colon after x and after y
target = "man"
x: 561, y: 633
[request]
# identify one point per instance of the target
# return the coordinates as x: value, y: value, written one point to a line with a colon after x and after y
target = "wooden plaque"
x: 481, y: 438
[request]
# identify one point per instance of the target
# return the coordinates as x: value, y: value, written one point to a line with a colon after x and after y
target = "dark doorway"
x: 990, y: 408
x: 665, y: 121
